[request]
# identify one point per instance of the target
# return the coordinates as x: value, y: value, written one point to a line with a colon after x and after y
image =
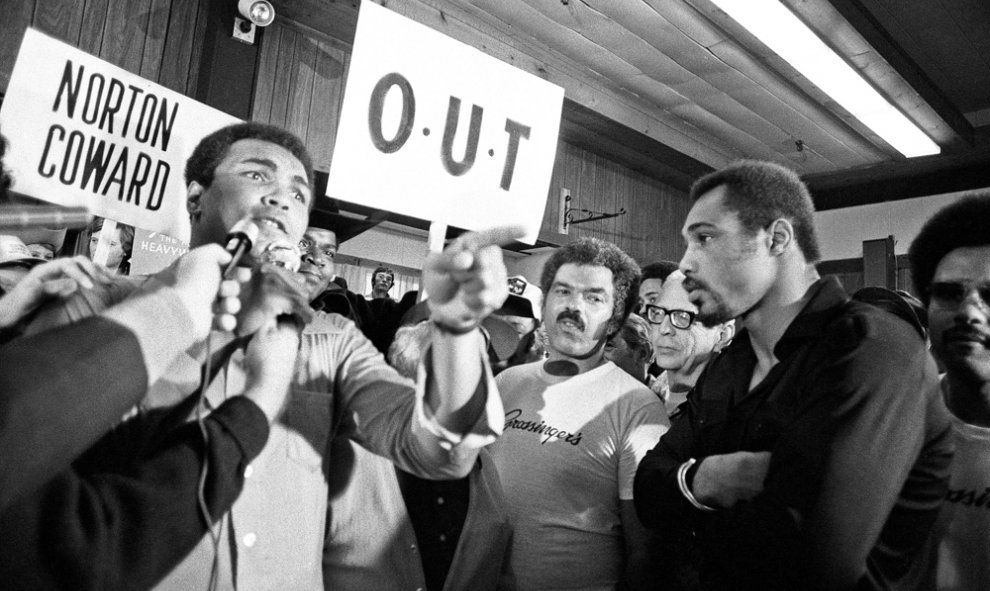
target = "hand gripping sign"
x: 438, y: 130
x: 85, y: 132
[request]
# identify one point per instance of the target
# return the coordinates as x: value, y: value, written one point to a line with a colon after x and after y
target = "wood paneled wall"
x: 161, y: 40
x: 651, y: 228
x: 300, y: 86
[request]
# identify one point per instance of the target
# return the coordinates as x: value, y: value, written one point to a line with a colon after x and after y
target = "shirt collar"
x: 827, y: 296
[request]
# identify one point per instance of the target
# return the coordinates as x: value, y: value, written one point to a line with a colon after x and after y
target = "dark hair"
x: 386, y: 270
x: 658, y: 270
x: 126, y: 240
x: 962, y: 224
x: 761, y: 192
x: 595, y: 252
x: 212, y: 149
x: 5, y: 179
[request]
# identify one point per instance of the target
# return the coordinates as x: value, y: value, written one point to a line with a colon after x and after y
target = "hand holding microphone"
x: 268, y: 286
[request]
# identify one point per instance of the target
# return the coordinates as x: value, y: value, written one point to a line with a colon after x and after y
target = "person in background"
x: 651, y: 280
x: 120, y: 245
x: 950, y: 265
x: 378, y: 513
x: 382, y: 280
x: 576, y: 426
x: 631, y: 348
x: 44, y: 251
x: 814, y: 452
x: 682, y: 345
x: 521, y: 310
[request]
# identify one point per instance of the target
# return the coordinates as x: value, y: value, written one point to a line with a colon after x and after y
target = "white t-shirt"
x: 964, y: 553
x: 568, y: 454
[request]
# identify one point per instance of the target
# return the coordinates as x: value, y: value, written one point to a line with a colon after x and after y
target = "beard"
x: 712, y: 309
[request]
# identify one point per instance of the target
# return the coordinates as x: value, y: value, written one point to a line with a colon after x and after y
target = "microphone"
x: 30, y: 217
x: 240, y: 239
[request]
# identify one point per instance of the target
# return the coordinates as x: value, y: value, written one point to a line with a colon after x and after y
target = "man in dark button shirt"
x: 814, y: 452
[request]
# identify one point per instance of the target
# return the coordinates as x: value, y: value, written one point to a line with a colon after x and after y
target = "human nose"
x: 973, y: 309
x: 687, y: 264
x: 665, y: 325
x: 279, y: 199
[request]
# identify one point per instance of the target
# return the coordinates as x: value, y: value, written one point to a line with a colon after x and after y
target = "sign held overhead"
x: 85, y: 132
x: 438, y: 130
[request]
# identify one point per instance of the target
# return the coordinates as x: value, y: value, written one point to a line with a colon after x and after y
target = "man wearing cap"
x: 950, y: 265
x: 576, y: 426
x: 521, y: 310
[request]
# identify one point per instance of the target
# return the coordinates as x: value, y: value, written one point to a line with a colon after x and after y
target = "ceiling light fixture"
x: 780, y: 29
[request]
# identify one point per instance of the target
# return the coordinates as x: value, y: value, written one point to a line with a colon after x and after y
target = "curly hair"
x: 962, y: 224
x: 212, y: 149
x: 761, y: 192
x: 5, y: 179
x: 595, y: 252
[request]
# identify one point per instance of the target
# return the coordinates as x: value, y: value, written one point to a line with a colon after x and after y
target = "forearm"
x: 455, y: 391
x: 60, y: 390
x: 129, y: 528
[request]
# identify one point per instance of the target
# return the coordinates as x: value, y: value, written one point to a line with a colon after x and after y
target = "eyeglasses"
x: 678, y: 318
x: 952, y: 293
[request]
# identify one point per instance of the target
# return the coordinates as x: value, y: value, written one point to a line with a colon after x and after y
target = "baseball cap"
x: 525, y: 299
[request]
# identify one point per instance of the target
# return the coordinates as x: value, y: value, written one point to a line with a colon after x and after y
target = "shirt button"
x: 412, y: 547
x: 439, y: 500
x: 250, y: 539
x: 443, y: 537
x: 248, y: 471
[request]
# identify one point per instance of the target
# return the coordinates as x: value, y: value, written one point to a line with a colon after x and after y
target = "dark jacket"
x: 860, y: 456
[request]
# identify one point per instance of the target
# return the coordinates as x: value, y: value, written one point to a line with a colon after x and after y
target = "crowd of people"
x: 732, y: 420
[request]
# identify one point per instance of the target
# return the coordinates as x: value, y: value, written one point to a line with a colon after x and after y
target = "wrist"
x: 685, y: 476
x: 453, y: 329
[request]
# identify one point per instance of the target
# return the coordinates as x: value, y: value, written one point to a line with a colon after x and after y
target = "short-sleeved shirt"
x: 566, y: 457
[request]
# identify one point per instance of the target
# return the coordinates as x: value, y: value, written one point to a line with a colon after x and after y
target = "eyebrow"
x: 271, y: 165
x: 698, y: 225
x: 601, y: 290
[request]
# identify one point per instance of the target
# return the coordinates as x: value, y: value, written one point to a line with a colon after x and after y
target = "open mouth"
x: 271, y: 223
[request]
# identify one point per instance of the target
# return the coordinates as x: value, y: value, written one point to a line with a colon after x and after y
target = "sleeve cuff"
x: 246, y: 422
x: 483, y: 432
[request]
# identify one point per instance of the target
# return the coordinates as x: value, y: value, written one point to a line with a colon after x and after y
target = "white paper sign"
x: 85, y: 132
x: 438, y: 130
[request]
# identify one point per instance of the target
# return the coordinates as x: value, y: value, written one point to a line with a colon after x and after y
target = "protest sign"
x: 438, y: 130
x: 153, y: 251
x: 85, y: 132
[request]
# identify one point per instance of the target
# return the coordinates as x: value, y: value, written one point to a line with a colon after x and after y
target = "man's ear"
x: 194, y: 205
x: 725, y: 335
x: 781, y: 236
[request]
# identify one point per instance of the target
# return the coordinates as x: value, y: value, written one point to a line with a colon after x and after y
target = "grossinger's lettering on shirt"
x: 80, y: 155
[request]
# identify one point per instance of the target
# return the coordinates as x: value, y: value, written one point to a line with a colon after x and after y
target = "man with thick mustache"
x: 950, y: 265
x: 813, y: 453
x: 576, y: 427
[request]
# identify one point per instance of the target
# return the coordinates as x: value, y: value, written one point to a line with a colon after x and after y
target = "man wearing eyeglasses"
x: 950, y: 265
x: 682, y: 345
x: 814, y: 452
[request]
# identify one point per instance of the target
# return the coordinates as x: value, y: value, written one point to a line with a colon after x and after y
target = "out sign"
x: 395, y: 82
x: 437, y: 130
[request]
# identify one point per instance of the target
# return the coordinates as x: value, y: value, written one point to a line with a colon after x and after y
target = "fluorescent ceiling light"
x: 791, y: 39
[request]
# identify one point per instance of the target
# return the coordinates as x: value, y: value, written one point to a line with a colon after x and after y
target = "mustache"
x: 965, y: 333
x: 691, y: 284
x: 572, y: 315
